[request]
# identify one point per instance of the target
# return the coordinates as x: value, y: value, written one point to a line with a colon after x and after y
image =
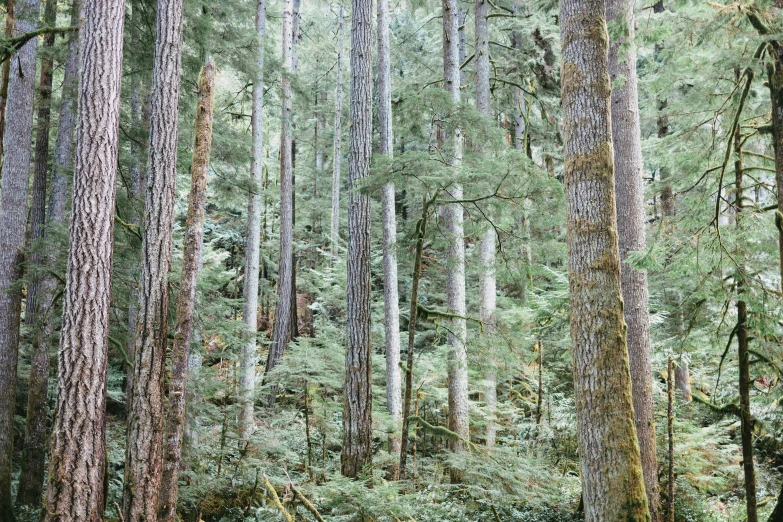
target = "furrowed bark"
x: 357, y: 408
x: 13, y: 220
x: 9, y: 32
x: 626, y: 140
x: 144, y: 452
x: 75, y: 492
x: 247, y: 362
x: 390, y: 295
x: 455, y: 255
x: 612, y: 480
x: 191, y: 261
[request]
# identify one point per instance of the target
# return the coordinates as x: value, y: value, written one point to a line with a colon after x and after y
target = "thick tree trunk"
x: 144, y: 453
x: 31, y: 477
x: 78, y: 458
x: 13, y: 219
x: 390, y: 295
x: 612, y: 480
x: 191, y: 262
x: 357, y: 408
x: 281, y: 334
x: 455, y: 256
x: 247, y: 361
x: 334, y: 236
x: 487, y: 284
x: 626, y: 139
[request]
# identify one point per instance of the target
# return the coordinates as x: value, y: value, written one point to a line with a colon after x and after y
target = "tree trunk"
x: 390, y: 296
x: 612, y: 480
x: 281, y: 334
x: 626, y: 139
x: 357, y: 408
x: 144, y: 453
x: 31, y: 476
x: 247, y: 362
x: 455, y: 256
x: 76, y: 469
x: 338, y: 139
x: 421, y: 230
x: 487, y: 285
x: 13, y: 220
x: 194, y: 238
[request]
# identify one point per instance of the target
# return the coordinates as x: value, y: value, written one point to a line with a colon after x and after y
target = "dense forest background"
x: 443, y: 172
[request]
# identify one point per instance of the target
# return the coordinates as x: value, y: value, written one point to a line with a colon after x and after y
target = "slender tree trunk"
x: 144, y: 453
x: 338, y: 139
x: 247, y: 363
x: 31, y: 478
x: 390, y: 296
x: 13, y: 219
x: 612, y: 480
x: 78, y: 453
x: 626, y: 139
x: 191, y: 262
x: 357, y: 408
x: 421, y: 230
x: 9, y: 32
x: 487, y: 290
x: 140, y: 101
x: 746, y: 419
x: 455, y: 256
x: 281, y: 334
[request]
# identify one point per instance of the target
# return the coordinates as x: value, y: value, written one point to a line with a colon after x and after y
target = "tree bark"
x: 487, y: 285
x: 31, y: 477
x: 78, y: 456
x: 247, y: 362
x: 626, y: 139
x: 144, y: 453
x: 191, y: 262
x: 338, y: 140
x: 612, y: 480
x: 357, y: 408
x: 455, y: 255
x: 390, y: 295
x: 13, y: 220
x: 281, y: 333
x: 670, y: 433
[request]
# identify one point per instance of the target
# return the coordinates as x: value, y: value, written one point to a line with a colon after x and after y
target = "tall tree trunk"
x: 390, y: 295
x: 194, y: 238
x: 455, y: 256
x: 143, y: 456
x: 487, y: 284
x: 139, y: 105
x: 36, y: 427
x: 281, y: 333
x: 334, y: 236
x: 9, y: 32
x: 247, y: 362
x: 746, y: 419
x: 612, y: 480
x: 357, y: 408
x: 13, y: 219
x: 78, y: 449
x: 626, y: 139
x: 670, y: 435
